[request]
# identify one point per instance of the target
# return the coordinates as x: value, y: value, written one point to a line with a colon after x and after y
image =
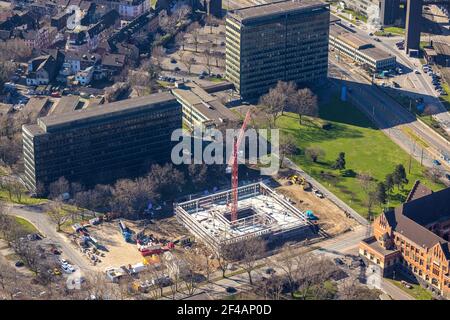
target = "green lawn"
x: 26, y: 225
x: 416, y: 291
x: 356, y: 15
x: 366, y: 148
x: 395, y: 30
x: 25, y: 200
x: 446, y: 99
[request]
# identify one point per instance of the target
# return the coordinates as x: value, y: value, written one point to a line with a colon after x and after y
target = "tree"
x: 369, y: 188
x: 389, y: 183
x: 208, y: 55
x: 57, y: 214
x: 58, y: 188
x: 272, y: 103
x: 288, y: 91
x: 194, y: 31
x: 250, y: 251
x: 180, y: 40
x: 288, y: 146
x: 433, y: 174
x: 198, y: 174
x: 6, y: 71
x: 314, y: 153
x: 158, y: 55
x: 305, y: 102
x: 132, y: 197
x: 381, y: 193
x: 399, y: 176
x: 167, y: 180
x: 188, y: 62
x: 225, y: 256
x: 340, y: 162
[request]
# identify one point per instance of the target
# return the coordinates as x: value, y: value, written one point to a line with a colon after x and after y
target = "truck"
x: 126, y: 232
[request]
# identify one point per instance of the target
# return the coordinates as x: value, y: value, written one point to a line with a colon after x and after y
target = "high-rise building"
x: 285, y: 40
x: 413, y: 24
x: 101, y: 143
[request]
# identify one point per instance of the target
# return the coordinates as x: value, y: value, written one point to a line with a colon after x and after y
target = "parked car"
x: 230, y: 290
x: 173, y: 60
x: 338, y: 261
x: 19, y: 264
x: 436, y: 162
x: 270, y: 271
x: 177, y: 69
x: 318, y: 194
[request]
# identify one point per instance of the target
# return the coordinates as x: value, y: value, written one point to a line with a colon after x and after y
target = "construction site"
x: 260, y: 212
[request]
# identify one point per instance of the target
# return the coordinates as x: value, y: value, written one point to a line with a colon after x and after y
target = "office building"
x: 412, y: 239
x: 285, y: 41
x: 359, y: 50
x: 100, y: 144
x: 384, y: 12
x: 201, y: 109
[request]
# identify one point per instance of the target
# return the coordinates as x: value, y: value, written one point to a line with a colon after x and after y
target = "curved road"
x: 40, y: 220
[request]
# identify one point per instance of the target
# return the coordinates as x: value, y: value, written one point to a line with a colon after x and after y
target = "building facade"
x: 102, y: 143
x: 285, y: 41
x: 359, y: 50
x: 413, y: 239
x: 384, y: 12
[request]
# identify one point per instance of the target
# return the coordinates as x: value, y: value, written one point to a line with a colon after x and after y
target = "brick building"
x: 413, y: 239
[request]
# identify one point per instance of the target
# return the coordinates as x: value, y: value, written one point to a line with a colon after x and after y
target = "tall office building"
x: 102, y: 143
x: 285, y: 41
x: 413, y: 24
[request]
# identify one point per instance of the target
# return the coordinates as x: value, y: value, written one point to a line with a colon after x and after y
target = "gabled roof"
x: 429, y: 208
x: 411, y: 218
x: 418, y: 190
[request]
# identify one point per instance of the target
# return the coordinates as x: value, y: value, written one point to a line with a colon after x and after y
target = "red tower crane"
x: 234, y: 169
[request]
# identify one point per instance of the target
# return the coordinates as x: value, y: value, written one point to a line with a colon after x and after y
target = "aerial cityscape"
x: 224, y: 150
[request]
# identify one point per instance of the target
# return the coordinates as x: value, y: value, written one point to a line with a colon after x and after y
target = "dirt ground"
x: 331, y: 218
x: 118, y: 252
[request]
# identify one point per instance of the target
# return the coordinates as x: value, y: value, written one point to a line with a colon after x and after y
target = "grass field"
x: 395, y: 30
x: 26, y: 225
x: 25, y: 200
x: 416, y: 291
x: 366, y: 148
x: 446, y: 99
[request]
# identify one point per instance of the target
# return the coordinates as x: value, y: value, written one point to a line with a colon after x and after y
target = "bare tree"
x: 57, y: 214
x: 208, y: 56
x: 250, y: 252
x: 305, y: 102
x: 225, y: 256
x: 188, y: 62
x: 314, y: 153
x: 158, y: 55
x: 369, y: 187
x: 180, y: 40
x: 288, y: 146
x: 272, y: 103
x: 194, y: 31
x: 58, y: 188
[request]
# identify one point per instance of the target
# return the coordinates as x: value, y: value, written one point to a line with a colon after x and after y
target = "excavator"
x: 295, y: 179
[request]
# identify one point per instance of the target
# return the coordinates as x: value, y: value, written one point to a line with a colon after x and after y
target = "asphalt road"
x: 389, y: 116
x: 421, y: 81
x: 41, y: 221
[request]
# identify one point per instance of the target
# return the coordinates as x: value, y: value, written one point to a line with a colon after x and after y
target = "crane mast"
x: 234, y: 169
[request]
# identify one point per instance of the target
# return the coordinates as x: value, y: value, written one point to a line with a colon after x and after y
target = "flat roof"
x: 65, y: 104
x: 376, y: 53
x: 206, y: 104
x: 275, y: 8
x: 109, y: 109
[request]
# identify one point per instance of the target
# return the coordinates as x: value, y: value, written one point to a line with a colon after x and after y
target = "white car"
x: 318, y: 194
x: 67, y: 268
